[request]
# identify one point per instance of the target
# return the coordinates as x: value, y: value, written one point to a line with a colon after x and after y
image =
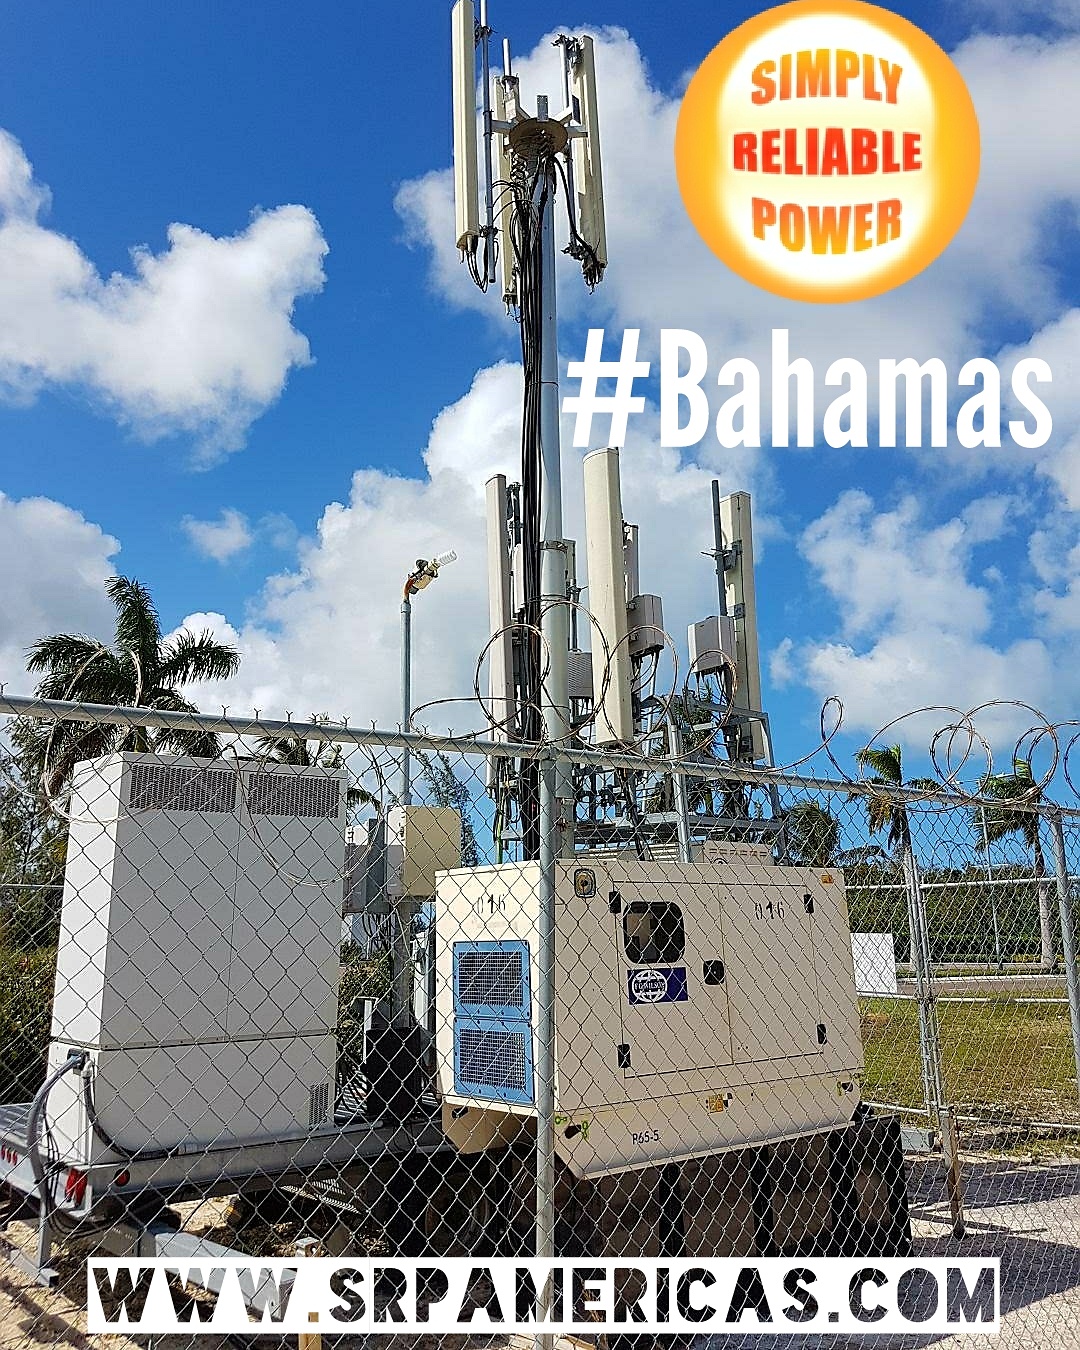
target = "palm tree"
x: 998, y: 818
x: 140, y: 670
x: 883, y: 810
x: 812, y: 833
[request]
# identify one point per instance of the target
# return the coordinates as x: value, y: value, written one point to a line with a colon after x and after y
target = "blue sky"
x: 257, y: 378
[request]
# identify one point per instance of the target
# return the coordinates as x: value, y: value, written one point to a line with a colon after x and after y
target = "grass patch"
x: 1005, y: 1058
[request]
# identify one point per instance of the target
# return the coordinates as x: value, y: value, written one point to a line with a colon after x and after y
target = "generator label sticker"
x: 660, y: 984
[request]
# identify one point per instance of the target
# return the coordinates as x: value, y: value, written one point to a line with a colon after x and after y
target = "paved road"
x: 983, y: 986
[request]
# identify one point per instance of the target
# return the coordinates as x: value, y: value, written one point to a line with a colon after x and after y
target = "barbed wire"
x: 703, y: 705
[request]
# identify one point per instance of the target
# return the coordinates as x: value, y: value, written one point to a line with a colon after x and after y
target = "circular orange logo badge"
x: 827, y: 151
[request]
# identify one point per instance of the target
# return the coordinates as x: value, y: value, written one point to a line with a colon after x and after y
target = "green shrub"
x: 26, y: 993
x: 361, y: 977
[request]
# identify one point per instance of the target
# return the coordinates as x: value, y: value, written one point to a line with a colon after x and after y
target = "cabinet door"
x: 166, y: 981
x: 286, y: 934
x: 772, y: 976
x: 672, y: 971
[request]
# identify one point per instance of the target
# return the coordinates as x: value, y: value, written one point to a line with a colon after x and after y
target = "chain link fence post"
x: 937, y: 1106
x: 1068, y: 933
x: 929, y: 1037
x: 545, y: 1031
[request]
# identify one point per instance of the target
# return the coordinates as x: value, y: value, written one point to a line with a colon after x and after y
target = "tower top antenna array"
x: 511, y: 142
x: 509, y: 167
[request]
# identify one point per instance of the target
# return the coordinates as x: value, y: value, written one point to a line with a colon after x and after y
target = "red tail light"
x: 75, y: 1187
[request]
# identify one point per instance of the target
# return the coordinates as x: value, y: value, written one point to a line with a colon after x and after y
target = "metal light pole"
x: 419, y: 579
x: 406, y: 691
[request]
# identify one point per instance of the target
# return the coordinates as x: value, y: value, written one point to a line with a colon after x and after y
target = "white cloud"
x: 197, y: 339
x: 917, y: 618
x: 920, y: 618
x: 325, y: 636
x: 1009, y: 15
x: 915, y: 628
x: 54, y: 564
x: 888, y: 569
x: 219, y: 539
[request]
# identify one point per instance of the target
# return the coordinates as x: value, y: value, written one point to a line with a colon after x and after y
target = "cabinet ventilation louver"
x: 318, y: 1104
x: 175, y: 787
x: 491, y: 979
x: 285, y: 794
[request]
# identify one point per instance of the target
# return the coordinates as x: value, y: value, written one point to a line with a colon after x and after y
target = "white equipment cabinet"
x: 699, y: 1007
x: 198, y: 956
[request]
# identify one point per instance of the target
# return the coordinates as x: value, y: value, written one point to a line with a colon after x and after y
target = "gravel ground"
x: 1026, y: 1212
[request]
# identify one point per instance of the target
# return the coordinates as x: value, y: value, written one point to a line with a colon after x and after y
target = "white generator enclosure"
x: 198, y: 955
x: 699, y: 1007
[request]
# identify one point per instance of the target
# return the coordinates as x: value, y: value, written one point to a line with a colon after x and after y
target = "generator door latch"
x: 712, y: 972
x: 615, y: 902
x: 822, y: 1033
x: 624, y: 1056
x: 808, y: 903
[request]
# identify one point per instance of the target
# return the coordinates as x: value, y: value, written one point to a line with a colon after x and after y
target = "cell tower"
x: 506, y: 233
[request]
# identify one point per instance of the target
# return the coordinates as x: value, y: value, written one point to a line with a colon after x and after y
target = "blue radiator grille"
x: 492, y: 1021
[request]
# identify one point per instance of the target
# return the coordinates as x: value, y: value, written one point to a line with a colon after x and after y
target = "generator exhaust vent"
x: 286, y: 794
x: 176, y: 787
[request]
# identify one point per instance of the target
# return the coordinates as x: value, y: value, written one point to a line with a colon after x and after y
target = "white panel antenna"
x: 614, y: 720
x: 466, y: 187
x: 588, y: 177
x: 738, y: 539
x: 504, y: 202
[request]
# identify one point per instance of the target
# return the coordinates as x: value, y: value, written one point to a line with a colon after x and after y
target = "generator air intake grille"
x: 491, y: 979
x: 177, y: 787
x: 493, y: 1058
x: 287, y: 794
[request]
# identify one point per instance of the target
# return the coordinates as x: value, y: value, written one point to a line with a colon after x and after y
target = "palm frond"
x: 997, y: 817
x: 102, y: 680
x: 812, y: 833
x: 198, y: 744
x: 190, y: 656
x: 62, y: 651
x: 287, y: 750
x: 138, y: 629
x: 886, y: 762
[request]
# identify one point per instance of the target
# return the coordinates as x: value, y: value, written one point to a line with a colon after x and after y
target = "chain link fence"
x: 558, y: 1002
